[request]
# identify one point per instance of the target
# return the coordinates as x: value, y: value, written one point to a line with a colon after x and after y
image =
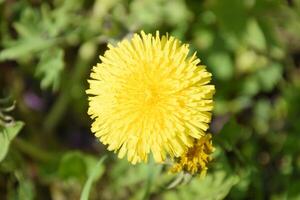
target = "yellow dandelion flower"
x: 149, y: 96
x: 196, y: 158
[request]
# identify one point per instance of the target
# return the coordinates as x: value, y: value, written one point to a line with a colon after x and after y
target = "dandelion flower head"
x: 149, y: 95
x: 196, y: 158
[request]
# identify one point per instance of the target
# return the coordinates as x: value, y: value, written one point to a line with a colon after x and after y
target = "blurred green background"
x: 47, y: 49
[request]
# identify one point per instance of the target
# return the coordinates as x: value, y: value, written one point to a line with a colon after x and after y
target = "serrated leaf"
x: 24, y: 30
x: 7, y: 134
x: 23, y: 47
x: 214, y: 186
x: 32, y: 36
x: 50, y: 67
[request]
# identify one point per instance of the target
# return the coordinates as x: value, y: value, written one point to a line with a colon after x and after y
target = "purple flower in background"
x: 33, y: 101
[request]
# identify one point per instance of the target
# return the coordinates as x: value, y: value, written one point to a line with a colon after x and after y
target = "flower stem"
x: 149, y: 182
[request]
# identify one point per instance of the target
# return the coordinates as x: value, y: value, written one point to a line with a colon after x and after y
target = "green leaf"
x: 22, y: 189
x: 93, y: 176
x: 204, y: 38
x: 147, y: 13
x: 23, y: 47
x: 32, y: 38
x: 7, y: 134
x: 221, y: 65
x: 72, y: 166
x: 151, y: 13
x: 77, y: 166
x: 270, y: 76
x: 255, y: 36
x: 91, y: 162
x: 231, y: 15
x: 250, y: 86
x: 262, y: 114
x: 50, y: 68
x: 26, y: 190
x: 229, y: 135
x: 125, y: 174
x: 179, y: 17
x: 126, y: 177
x: 214, y: 186
x: 293, y: 190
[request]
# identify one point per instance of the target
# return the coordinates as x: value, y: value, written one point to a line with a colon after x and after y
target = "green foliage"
x: 214, y: 187
x: 79, y: 166
x: 221, y: 59
x: 93, y: 176
x: 47, y: 49
x: 25, y: 190
x: 230, y: 135
x: 7, y: 134
x: 50, y: 67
